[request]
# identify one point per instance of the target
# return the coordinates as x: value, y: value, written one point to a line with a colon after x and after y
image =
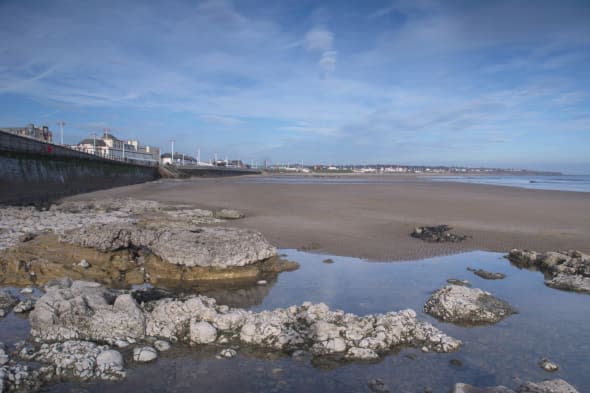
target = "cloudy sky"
x: 488, y: 83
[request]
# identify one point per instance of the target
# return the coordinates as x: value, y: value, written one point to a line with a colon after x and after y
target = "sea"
x: 575, y: 183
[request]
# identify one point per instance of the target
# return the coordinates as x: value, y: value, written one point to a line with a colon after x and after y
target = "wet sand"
x: 372, y: 219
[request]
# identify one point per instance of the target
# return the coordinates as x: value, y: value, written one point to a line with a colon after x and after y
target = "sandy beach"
x: 372, y: 219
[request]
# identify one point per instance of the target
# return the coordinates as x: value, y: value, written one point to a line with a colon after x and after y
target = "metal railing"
x: 26, y: 144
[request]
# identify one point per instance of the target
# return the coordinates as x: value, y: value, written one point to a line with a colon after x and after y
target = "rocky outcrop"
x: 204, y: 246
x: 567, y: 270
x: 81, y: 360
x: 551, y: 386
x: 23, y: 223
x: 464, y: 305
x: 86, y: 311
x: 437, y: 234
x: 45, y: 258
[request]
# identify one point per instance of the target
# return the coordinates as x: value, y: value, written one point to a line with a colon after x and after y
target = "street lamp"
x: 61, y: 125
x: 172, y: 148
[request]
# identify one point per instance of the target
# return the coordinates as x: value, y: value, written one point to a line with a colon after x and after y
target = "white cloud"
x: 319, y: 39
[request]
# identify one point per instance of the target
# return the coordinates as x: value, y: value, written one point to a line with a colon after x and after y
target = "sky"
x: 475, y: 83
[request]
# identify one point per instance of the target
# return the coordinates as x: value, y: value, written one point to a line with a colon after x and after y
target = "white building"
x: 109, y: 146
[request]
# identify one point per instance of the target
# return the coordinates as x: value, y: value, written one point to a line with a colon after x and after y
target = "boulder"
x: 463, y: 305
x: 487, y: 275
x: 144, y: 354
x: 201, y: 332
x: 228, y: 214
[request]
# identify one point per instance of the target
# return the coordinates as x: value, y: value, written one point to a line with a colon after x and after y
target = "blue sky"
x: 479, y: 83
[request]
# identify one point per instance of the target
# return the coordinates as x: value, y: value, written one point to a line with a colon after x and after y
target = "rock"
x: 162, y: 345
x: 227, y: 353
x: 79, y: 359
x: 24, y: 306
x: 465, y: 388
x: 456, y: 362
x: 456, y: 281
x: 202, y: 332
x: 567, y: 282
x: 261, y: 282
x: 229, y: 214
x: 551, y: 386
x: 84, y: 264
x: 328, y: 261
x: 377, y: 385
x: 26, y: 291
x: 437, y: 234
x: 547, y: 365
x: 144, y: 354
x: 487, y: 275
x: 7, y: 302
x: 109, y: 361
x: 83, y: 310
x: 28, y: 236
x: 205, y: 247
x: 566, y: 270
x: 460, y: 304
x: 4, y: 358
x: 86, y: 310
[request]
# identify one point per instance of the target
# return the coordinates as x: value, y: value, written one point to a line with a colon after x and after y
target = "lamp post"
x: 61, y: 124
x: 172, y: 148
x: 94, y: 143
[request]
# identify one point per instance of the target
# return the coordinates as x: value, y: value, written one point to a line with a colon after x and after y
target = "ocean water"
x: 550, y: 323
x: 579, y: 183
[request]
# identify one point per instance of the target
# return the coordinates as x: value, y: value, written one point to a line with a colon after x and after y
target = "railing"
x: 19, y: 143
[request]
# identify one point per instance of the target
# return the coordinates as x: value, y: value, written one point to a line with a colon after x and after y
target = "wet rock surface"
x: 464, y: 305
x: 566, y: 270
x: 550, y: 386
x: 437, y: 234
x: 87, y: 311
x: 7, y: 302
x: 487, y: 275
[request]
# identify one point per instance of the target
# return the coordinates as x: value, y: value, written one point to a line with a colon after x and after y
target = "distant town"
x: 109, y: 146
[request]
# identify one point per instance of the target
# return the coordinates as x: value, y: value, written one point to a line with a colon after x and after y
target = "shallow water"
x: 578, y: 183
x: 551, y: 323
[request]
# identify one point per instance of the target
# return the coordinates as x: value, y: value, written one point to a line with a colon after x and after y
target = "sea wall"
x: 35, y: 172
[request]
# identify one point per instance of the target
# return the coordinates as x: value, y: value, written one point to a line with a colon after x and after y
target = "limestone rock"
x: 550, y: 386
x: 547, y: 365
x: 229, y: 214
x: 86, y: 310
x: 201, y: 332
x: 79, y: 359
x: 162, y: 345
x: 566, y: 270
x: 487, y: 275
x: 7, y: 302
x: 83, y: 310
x: 205, y: 246
x: 144, y: 354
x: 227, y: 353
x: 24, y: 306
x: 460, y: 304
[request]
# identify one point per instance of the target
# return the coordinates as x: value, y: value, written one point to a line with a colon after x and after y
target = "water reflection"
x: 551, y: 323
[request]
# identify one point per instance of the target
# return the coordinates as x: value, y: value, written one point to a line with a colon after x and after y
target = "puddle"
x: 550, y: 323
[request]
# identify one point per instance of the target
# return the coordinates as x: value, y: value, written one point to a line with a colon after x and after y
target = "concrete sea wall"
x: 34, y: 172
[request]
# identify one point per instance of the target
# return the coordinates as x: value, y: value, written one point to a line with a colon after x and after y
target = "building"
x: 109, y: 146
x: 30, y: 131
